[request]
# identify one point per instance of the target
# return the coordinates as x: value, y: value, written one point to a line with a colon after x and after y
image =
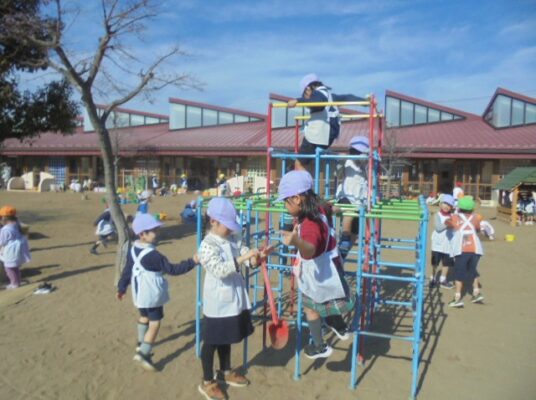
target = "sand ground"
x: 78, y: 342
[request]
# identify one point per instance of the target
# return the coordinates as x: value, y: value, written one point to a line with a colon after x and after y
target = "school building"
x: 430, y: 146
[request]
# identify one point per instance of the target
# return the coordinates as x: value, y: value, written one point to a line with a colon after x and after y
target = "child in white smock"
x: 226, y: 306
x: 144, y: 270
x: 14, y: 249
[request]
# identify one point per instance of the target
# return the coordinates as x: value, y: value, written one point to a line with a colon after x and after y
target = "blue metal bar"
x: 397, y: 240
x: 198, y: 301
x: 394, y: 247
x: 387, y: 336
x: 393, y: 264
x: 247, y: 239
x: 358, y: 306
x: 317, y: 170
x: 397, y: 303
x: 389, y: 277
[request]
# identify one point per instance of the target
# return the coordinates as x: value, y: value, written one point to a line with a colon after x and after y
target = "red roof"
x: 471, y: 137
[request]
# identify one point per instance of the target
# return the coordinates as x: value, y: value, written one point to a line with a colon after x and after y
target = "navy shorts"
x: 445, y: 259
x: 307, y: 147
x: 465, y: 267
x: 153, y: 313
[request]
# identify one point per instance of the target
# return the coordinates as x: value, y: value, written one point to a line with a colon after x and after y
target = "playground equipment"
x: 368, y: 265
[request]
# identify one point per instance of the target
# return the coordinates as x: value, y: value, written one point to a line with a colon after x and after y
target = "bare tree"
x: 92, y: 77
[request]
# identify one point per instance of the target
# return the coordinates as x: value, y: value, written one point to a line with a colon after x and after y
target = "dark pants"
x: 207, y: 359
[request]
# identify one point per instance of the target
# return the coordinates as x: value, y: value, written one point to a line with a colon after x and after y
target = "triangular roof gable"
x: 506, y: 92
x: 518, y: 176
x: 429, y: 104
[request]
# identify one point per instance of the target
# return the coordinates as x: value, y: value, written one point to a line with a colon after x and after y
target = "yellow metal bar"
x: 358, y: 116
x: 325, y: 104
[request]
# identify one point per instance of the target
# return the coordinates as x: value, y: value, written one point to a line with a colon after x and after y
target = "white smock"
x: 318, y: 277
x: 226, y: 296
x: 467, y: 229
x: 149, y: 288
x: 318, y: 127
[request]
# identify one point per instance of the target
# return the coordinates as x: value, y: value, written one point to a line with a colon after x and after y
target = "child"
x: 324, y: 125
x: 441, y: 242
x: 14, y: 249
x: 320, y: 275
x: 144, y: 269
x: 353, y: 190
x: 143, y: 206
x: 105, y: 230
x: 526, y: 206
x: 226, y: 306
x: 466, y: 250
x: 223, y: 186
x: 184, y: 184
x: 457, y: 193
x: 487, y: 229
x: 189, y: 214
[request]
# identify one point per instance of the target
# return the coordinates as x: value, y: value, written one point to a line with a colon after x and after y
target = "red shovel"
x: 277, y: 329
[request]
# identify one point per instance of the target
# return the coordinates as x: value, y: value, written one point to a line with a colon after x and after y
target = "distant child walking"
x: 466, y: 249
x: 14, y: 249
x: 441, y: 243
x: 144, y: 269
x: 353, y: 190
x: 320, y: 275
x: 226, y: 306
x: 324, y: 125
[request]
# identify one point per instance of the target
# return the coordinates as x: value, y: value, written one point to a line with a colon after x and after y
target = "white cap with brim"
x: 294, y: 183
x: 223, y: 211
x: 144, y: 222
x: 307, y: 80
x: 360, y: 143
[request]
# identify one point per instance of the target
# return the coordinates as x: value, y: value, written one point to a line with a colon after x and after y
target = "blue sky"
x: 455, y: 53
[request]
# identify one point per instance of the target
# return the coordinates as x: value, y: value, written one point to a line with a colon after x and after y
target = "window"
x: 136, y: 120
x: 293, y: 112
x: 151, y: 120
x: 420, y: 114
x: 501, y: 111
x: 177, y: 118
x: 517, y: 112
x: 193, y: 117
x: 530, y: 114
x: 507, y: 111
x: 406, y: 113
x: 433, y: 115
x: 445, y: 116
x: 240, y: 118
x: 210, y: 117
x: 392, y: 111
x: 279, y: 118
x: 225, y: 118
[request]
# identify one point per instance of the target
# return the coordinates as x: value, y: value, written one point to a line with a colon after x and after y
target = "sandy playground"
x: 78, y: 342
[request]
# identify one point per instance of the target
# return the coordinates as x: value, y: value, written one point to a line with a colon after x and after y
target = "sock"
x: 457, y: 296
x: 315, y: 327
x: 476, y: 291
x: 142, y: 329
x: 146, y: 348
x: 442, y: 279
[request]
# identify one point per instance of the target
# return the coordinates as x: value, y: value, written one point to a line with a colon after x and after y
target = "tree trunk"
x: 123, y: 239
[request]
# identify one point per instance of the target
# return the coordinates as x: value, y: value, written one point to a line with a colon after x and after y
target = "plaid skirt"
x: 332, y: 307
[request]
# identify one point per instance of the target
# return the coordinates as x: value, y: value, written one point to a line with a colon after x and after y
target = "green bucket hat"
x: 466, y: 203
